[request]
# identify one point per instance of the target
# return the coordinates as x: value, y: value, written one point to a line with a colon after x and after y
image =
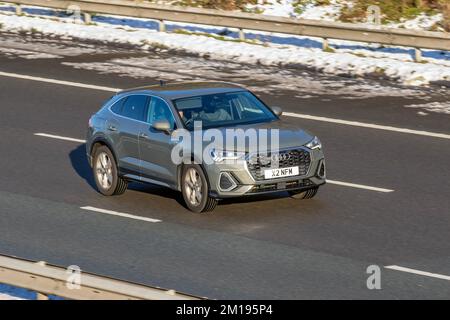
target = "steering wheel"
x: 190, y: 120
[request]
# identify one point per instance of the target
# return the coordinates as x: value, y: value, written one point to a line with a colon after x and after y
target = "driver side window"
x: 158, y: 111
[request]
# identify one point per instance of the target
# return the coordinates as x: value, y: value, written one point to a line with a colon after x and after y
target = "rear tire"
x: 105, y: 172
x: 306, y: 194
x: 195, y: 189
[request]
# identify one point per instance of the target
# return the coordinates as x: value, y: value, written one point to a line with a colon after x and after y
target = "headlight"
x: 314, y: 144
x: 221, y: 155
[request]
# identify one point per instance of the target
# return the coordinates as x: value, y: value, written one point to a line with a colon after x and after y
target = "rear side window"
x: 117, y: 107
x: 134, y: 107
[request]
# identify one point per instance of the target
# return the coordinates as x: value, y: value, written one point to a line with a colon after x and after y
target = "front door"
x: 156, y: 146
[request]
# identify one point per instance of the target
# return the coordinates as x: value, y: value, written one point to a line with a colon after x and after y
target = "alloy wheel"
x: 103, y: 170
x: 193, y: 187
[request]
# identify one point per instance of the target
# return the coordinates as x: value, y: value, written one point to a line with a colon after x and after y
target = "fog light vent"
x: 226, y: 182
x: 321, y: 171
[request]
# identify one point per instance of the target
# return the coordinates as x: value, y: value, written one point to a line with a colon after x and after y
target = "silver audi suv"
x: 163, y: 135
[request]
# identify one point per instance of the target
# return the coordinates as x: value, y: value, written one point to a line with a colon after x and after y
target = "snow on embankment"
x: 269, y: 54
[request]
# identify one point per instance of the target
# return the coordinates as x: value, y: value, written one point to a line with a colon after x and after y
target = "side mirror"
x: 162, y: 125
x: 277, y: 110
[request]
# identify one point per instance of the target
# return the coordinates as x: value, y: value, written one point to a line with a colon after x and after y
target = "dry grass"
x: 394, y: 10
x: 216, y: 4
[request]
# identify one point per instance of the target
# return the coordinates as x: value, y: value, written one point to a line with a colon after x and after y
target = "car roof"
x: 171, y: 91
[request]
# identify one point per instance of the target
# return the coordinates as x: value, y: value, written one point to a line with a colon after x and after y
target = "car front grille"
x: 300, y: 158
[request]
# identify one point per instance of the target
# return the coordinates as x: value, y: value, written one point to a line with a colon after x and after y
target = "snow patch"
x: 436, y: 107
x: 269, y: 55
x: 275, y: 79
x: 29, y: 55
x: 309, y: 10
x: 421, y: 22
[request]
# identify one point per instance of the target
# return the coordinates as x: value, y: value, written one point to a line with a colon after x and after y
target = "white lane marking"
x: 340, y: 183
x: 120, y: 214
x: 422, y: 273
x: 358, y: 186
x: 61, y: 82
x: 368, y: 125
x: 289, y: 114
x: 59, y: 137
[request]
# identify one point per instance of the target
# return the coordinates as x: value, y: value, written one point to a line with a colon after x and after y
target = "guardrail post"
x: 325, y: 44
x: 171, y: 292
x: 87, y: 18
x: 241, y: 35
x: 162, y: 26
x: 417, y: 55
x: 41, y: 296
x: 19, y: 10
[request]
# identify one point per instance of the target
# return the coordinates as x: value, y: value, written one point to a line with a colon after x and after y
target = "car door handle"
x: 112, y: 128
x: 143, y: 135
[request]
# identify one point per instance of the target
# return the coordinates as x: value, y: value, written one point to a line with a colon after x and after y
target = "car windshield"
x: 223, y: 109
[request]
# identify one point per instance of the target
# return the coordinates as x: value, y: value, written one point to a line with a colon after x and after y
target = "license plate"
x: 280, y: 173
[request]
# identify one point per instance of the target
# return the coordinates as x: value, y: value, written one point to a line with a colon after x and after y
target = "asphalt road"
x: 266, y: 247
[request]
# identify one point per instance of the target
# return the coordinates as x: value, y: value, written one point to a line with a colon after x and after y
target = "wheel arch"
x: 190, y: 160
x: 101, y: 141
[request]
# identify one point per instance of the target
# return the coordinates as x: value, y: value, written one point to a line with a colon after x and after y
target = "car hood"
x: 290, y: 136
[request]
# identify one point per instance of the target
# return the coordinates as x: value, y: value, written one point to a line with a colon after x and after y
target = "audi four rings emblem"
x: 277, y: 157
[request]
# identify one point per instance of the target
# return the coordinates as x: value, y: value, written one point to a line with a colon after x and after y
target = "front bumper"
x: 245, y: 184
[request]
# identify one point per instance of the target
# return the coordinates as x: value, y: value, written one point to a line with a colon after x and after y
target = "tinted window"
x: 134, y: 107
x: 117, y: 107
x: 223, y: 109
x: 159, y: 110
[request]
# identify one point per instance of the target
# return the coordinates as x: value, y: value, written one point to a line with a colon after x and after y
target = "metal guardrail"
x: 51, y: 280
x: 301, y: 27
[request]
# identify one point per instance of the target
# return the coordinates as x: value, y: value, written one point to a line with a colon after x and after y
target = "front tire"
x: 195, y: 189
x: 106, y: 174
x: 306, y: 194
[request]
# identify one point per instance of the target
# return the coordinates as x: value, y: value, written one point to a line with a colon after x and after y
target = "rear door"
x: 124, y: 128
